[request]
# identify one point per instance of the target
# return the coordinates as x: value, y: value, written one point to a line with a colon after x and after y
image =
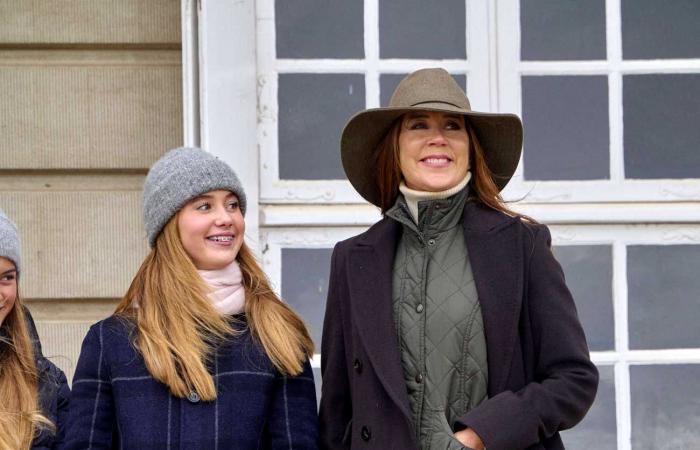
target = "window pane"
x: 644, y: 22
x: 305, y: 274
x: 664, y: 296
x: 389, y: 81
x: 416, y: 29
x: 313, y: 108
x: 556, y: 30
x: 319, y: 29
x: 600, y: 425
x: 566, y: 127
x: 661, y: 116
x: 588, y: 270
x: 665, y: 406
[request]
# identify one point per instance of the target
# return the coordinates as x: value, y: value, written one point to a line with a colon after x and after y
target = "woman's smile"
x: 436, y: 161
x: 222, y: 239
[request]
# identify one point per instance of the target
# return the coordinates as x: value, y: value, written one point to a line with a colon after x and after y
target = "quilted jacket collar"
x: 435, y: 215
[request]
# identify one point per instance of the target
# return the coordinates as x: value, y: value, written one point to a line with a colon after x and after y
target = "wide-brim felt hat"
x: 500, y: 135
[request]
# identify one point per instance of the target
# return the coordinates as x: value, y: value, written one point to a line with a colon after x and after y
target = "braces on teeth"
x: 221, y: 238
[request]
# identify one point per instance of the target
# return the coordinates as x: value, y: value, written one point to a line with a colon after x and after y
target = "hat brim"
x: 500, y: 135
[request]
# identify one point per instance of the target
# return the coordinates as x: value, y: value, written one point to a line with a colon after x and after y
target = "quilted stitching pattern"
x: 444, y: 342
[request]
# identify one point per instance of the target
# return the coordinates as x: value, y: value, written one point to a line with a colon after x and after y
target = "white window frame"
x: 617, y: 188
x: 622, y: 357
x: 273, y: 240
x: 275, y: 190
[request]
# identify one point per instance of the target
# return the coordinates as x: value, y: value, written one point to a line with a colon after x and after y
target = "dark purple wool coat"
x: 541, y: 379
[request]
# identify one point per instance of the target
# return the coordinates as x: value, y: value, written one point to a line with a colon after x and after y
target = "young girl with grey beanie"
x: 200, y: 353
x: 33, y: 391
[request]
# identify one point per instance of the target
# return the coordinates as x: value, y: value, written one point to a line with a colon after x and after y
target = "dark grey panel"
x: 665, y: 407
x: 588, y: 270
x: 566, y: 127
x: 389, y: 81
x: 319, y: 29
x: 562, y: 30
x: 664, y: 291
x: 416, y: 29
x: 661, y: 117
x: 305, y: 274
x: 600, y: 424
x: 313, y: 108
x: 660, y: 29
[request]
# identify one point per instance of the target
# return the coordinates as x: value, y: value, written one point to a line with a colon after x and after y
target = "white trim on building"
x: 228, y: 94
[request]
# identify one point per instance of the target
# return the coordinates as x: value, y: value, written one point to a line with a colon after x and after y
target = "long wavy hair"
x: 177, y: 327
x: 483, y: 189
x: 20, y: 413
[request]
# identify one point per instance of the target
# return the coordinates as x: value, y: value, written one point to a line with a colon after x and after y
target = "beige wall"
x: 91, y: 96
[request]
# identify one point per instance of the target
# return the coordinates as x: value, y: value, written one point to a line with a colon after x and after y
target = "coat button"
x: 419, y: 378
x: 193, y: 397
x: 365, y: 434
x: 357, y: 364
x: 419, y: 307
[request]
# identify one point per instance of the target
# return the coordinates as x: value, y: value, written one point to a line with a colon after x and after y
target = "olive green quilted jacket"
x: 438, y: 320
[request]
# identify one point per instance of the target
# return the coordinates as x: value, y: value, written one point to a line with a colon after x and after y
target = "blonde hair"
x: 168, y: 302
x: 20, y: 414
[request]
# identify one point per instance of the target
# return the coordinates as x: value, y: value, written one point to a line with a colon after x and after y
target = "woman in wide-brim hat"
x: 448, y: 323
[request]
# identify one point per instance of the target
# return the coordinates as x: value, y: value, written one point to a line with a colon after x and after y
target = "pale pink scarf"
x: 227, y: 292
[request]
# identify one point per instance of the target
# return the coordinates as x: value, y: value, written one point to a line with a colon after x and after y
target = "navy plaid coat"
x: 117, y: 404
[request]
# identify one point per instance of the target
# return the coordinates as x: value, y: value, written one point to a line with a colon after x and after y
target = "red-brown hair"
x: 483, y: 189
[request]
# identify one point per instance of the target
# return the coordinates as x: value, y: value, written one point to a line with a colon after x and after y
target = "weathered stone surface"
x: 62, y: 326
x: 89, y: 21
x: 89, y: 109
x: 91, y: 97
x: 77, y: 244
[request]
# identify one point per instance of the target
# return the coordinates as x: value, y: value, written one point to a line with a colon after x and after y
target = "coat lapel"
x: 495, y: 252
x: 370, y: 269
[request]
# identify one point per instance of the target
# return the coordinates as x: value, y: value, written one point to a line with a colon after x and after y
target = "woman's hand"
x: 469, y: 439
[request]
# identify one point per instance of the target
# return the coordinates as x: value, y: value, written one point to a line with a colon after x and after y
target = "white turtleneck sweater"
x: 227, y: 293
x: 413, y: 196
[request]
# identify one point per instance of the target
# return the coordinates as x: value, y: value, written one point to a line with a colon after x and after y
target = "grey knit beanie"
x: 9, y: 240
x: 179, y: 176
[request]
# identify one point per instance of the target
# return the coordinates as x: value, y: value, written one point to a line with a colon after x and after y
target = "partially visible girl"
x: 200, y: 353
x: 33, y: 391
